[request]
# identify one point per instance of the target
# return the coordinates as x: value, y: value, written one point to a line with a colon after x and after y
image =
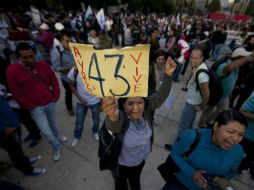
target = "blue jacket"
x: 7, y: 117
x: 206, y: 156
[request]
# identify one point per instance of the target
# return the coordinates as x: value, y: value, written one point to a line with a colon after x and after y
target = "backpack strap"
x: 194, y: 144
x: 196, y: 77
x: 61, y: 55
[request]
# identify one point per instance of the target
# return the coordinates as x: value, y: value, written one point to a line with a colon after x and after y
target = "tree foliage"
x: 250, y: 10
x: 215, y: 5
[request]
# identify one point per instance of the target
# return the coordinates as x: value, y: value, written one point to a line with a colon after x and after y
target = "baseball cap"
x: 240, y: 52
x: 59, y: 26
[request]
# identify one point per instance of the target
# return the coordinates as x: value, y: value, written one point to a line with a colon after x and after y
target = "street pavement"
x: 78, y: 168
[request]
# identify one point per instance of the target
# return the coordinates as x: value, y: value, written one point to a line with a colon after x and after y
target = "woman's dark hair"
x: 231, y: 115
x: 23, y: 46
x: 160, y: 52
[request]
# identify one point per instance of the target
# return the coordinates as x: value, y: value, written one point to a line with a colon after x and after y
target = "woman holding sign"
x: 131, y: 123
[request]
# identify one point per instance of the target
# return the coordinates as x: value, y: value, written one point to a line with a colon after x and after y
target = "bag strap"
x: 61, y: 55
x: 194, y: 144
x: 37, y: 78
x: 196, y: 77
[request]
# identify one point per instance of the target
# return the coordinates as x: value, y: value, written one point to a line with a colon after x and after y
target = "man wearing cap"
x: 228, y: 72
x: 244, y: 84
x: 58, y: 29
x: 45, y: 39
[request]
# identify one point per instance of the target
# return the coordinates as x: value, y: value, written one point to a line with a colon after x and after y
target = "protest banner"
x: 113, y: 72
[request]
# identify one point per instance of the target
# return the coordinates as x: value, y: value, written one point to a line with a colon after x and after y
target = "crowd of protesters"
x: 31, y: 55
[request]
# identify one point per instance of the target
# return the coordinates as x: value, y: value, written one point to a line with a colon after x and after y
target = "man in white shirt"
x: 86, y: 101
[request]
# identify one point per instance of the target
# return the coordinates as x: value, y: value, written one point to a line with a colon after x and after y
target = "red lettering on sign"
x: 136, y: 80
x: 87, y: 85
x: 136, y: 87
x: 136, y: 60
x: 76, y: 52
x: 136, y: 71
x: 81, y: 64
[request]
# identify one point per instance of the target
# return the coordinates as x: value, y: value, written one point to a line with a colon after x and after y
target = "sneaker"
x: 71, y: 112
x: 38, y: 172
x: 168, y: 146
x: 74, y: 142
x: 63, y: 139
x: 56, y: 155
x: 96, y: 136
x: 33, y: 143
x: 35, y: 159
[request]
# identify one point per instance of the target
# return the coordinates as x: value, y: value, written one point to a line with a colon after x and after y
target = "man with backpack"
x: 85, y: 101
x: 228, y: 72
x: 62, y: 61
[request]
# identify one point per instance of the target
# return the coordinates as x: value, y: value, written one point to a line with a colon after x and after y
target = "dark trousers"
x: 132, y: 174
x: 4, y: 185
x: 248, y: 150
x: 68, y: 95
x: 26, y: 119
x: 174, y: 185
x: 14, y: 150
x: 243, y: 93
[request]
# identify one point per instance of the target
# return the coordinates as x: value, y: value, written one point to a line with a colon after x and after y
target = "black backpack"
x: 215, y: 82
x: 215, y: 86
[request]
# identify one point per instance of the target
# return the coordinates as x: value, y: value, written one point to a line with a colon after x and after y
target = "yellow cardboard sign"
x: 113, y: 72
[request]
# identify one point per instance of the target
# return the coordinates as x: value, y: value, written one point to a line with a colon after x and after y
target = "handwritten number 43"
x: 116, y: 74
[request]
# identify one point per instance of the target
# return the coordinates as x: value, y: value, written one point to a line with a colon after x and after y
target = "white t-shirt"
x: 193, y: 95
x: 91, y: 100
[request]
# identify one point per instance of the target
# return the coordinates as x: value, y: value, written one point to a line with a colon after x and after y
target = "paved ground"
x: 78, y: 167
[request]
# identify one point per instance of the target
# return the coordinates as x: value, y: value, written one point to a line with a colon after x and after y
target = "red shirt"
x: 27, y: 90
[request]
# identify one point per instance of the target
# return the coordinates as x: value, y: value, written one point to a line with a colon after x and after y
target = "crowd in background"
x: 187, y: 40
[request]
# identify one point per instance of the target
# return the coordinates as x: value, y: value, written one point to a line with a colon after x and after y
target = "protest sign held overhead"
x: 113, y: 72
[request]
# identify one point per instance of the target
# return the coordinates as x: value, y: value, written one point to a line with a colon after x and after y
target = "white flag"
x: 178, y: 22
x: 101, y: 18
x: 88, y: 12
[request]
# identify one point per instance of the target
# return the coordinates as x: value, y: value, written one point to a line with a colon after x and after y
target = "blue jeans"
x: 178, y: 71
x: 45, y: 118
x: 216, y: 51
x: 186, y: 120
x: 80, y: 117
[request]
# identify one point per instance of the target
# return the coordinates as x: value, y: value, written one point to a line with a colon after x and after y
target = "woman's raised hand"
x: 170, y: 66
x: 110, y: 107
